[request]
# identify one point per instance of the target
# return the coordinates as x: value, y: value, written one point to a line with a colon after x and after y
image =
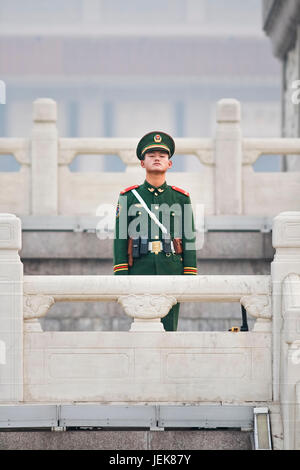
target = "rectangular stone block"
x: 84, y: 364
x: 190, y: 366
x: 147, y: 367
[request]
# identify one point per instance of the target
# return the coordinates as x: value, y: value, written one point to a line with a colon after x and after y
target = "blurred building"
x: 281, y: 22
x: 123, y: 68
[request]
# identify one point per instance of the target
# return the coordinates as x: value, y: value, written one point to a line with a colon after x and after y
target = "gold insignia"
x: 157, y: 138
x: 160, y: 190
x: 151, y: 189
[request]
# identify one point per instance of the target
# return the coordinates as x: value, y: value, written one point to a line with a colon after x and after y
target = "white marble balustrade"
x: 225, y: 184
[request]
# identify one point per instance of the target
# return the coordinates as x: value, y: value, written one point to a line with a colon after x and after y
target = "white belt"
x: 153, y: 216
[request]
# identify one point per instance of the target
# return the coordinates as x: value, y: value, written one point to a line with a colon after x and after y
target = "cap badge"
x: 157, y: 138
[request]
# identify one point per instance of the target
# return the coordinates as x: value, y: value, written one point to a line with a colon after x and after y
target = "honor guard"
x: 154, y: 230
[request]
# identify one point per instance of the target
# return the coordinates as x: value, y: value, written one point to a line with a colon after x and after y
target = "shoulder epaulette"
x: 180, y: 190
x: 130, y: 187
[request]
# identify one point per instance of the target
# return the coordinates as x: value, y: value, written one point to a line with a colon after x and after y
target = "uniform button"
x: 156, y: 236
x: 156, y: 207
x: 155, y: 194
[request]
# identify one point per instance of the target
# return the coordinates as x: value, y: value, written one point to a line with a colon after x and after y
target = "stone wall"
x: 128, y: 440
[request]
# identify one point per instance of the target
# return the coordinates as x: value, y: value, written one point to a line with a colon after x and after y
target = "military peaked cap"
x: 155, y: 140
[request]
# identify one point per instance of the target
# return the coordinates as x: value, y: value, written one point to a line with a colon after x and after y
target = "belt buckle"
x: 156, y: 247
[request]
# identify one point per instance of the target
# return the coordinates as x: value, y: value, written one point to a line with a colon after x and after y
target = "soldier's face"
x: 156, y: 161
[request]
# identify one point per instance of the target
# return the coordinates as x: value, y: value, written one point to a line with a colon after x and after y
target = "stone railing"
x: 147, y: 364
x: 147, y: 308
x: 225, y: 183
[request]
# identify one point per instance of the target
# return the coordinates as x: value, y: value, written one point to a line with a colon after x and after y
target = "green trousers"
x: 170, y: 321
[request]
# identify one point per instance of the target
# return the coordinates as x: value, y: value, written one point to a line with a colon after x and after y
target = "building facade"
x: 119, y: 72
x: 281, y: 22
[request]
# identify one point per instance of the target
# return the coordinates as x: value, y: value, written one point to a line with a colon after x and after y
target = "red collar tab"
x: 180, y: 190
x: 130, y: 187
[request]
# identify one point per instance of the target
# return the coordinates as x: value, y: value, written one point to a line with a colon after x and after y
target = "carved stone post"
x: 285, y: 271
x: 228, y: 159
x: 259, y: 307
x: 44, y: 151
x: 147, y: 310
x: 35, y: 307
x: 11, y: 310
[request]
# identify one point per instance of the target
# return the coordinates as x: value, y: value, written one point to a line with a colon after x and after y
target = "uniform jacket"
x: 173, y: 208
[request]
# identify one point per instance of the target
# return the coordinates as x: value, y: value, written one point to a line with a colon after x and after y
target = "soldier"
x: 154, y: 230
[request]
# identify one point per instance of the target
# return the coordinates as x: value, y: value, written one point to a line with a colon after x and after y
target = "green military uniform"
x: 172, y: 207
